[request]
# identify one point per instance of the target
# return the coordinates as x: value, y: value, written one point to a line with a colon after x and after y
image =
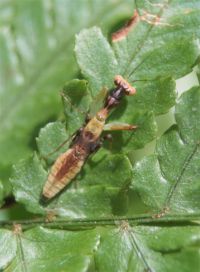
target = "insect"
x: 86, y: 141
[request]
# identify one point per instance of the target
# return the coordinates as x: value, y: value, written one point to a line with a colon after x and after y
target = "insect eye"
x: 130, y: 90
x: 121, y: 82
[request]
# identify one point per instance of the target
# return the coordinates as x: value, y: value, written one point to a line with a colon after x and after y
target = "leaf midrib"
x: 21, y: 253
x: 139, y: 252
x: 178, y: 178
x: 141, y: 45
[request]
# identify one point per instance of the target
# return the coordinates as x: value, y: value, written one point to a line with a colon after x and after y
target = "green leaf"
x: 179, y: 58
x: 96, y: 58
x: 93, y: 50
x: 103, y: 190
x: 78, y: 103
x: 187, y: 116
x: 130, y: 140
x: 148, y: 56
x: 51, y: 250
x: 90, y: 195
x: 49, y: 140
x: 156, y: 95
x: 29, y: 175
x: 77, y: 100
x: 76, y: 92
x: 121, y: 248
x: 148, y: 248
x: 152, y: 96
x: 168, y: 47
x: 170, y: 179
x: 198, y: 73
x: 140, y: 53
x: 161, y: 180
x: 8, y: 247
x: 36, y: 53
x: 104, y: 193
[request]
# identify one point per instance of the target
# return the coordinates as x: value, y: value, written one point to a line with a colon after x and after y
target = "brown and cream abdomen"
x: 65, y: 168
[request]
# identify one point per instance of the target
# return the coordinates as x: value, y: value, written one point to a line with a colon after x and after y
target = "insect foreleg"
x: 118, y: 126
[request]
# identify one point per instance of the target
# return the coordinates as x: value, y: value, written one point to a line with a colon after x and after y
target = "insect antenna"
x: 60, y: 146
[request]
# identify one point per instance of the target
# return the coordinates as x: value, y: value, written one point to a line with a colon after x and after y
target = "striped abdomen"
x: 65, y: 168
x: 68, y: 164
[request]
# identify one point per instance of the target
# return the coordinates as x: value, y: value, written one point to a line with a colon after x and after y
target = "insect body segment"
x: 96, y: 124
x: 122, y: 88
x: 87, y: 141
x: 64, y: 169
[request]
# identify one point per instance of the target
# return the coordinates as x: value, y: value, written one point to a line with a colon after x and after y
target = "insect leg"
x: 119, y: 126
x: 72, y: 138
x: 58, y: 147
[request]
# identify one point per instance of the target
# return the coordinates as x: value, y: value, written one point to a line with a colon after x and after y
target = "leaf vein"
x: 141, y: 45
x: 179, y: 177
x: 139, y: 252
x: 21, y: 253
